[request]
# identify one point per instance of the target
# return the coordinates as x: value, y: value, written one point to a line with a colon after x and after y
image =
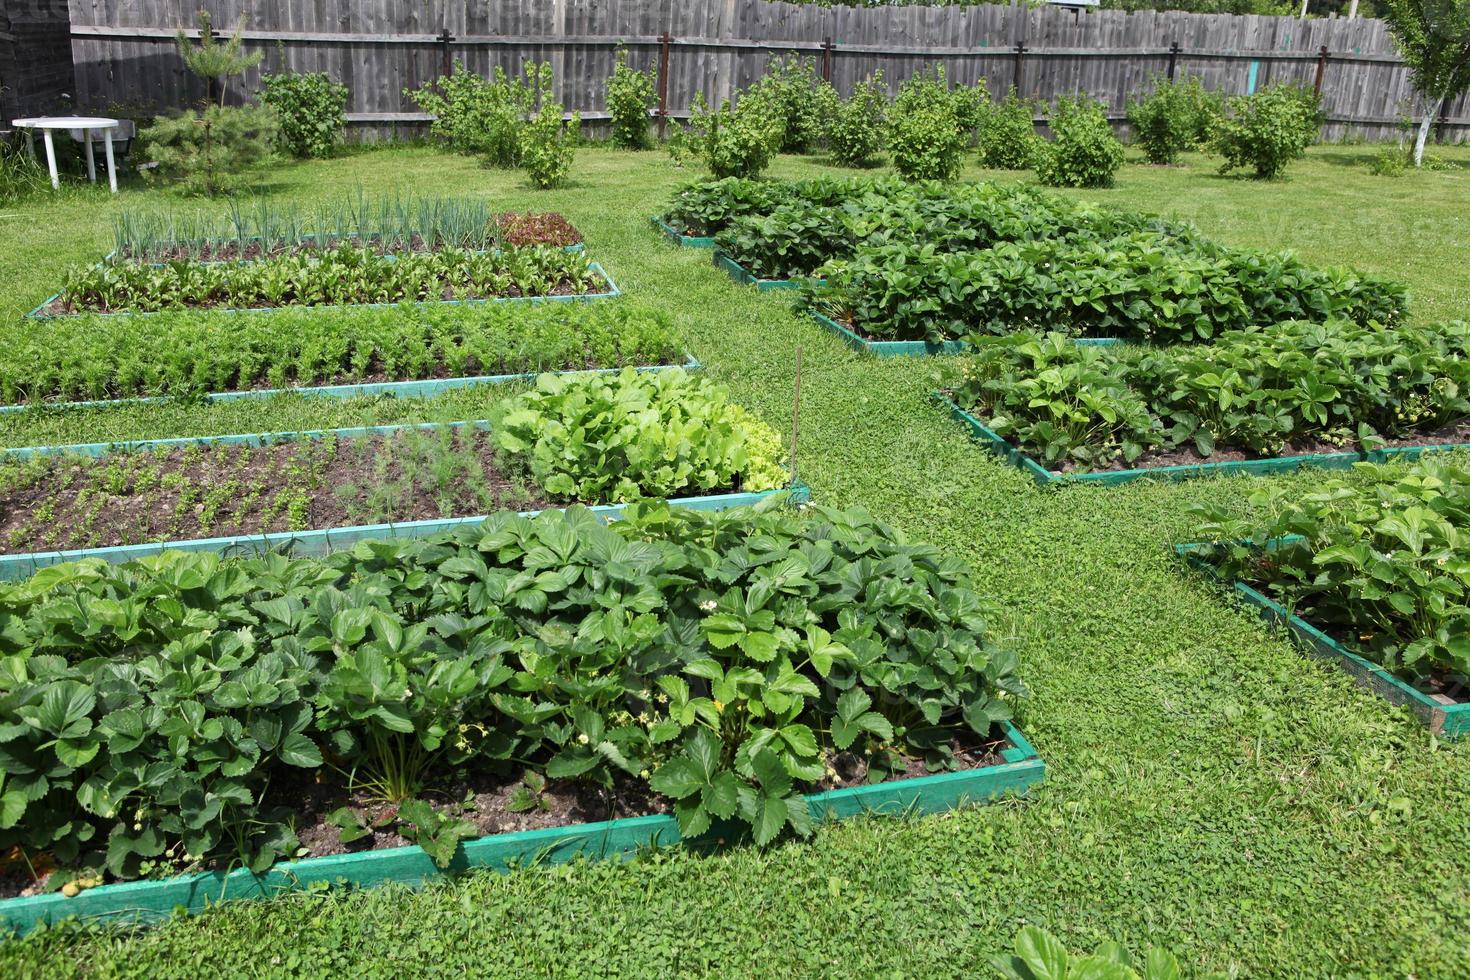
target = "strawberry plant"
x: 1381, y: 561
x: 1260, y: 391
x: 151, y: 714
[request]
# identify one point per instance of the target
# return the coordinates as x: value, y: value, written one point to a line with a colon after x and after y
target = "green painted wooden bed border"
x: 1448, y: 721
x: 143, y: 902
x: 686, y: 241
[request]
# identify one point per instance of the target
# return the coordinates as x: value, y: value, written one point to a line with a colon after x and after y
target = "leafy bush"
x: 1289, y: 388
x: 734, y: 142
x: 1007, y: 136
x: 1140, y: 285
x: 343, y: 275
x: 796, y: 100
x: 925, y: 137
x: 724, y: 659
x: 1175, y: 116
x: 630, y: 96
x: 1378, y: 561
x: 855, y: 134
x: 709, y: 206
x: 1268, y: 130
x: 547, y: 146
x: 211, y: 152
x: 1083, y: 151
x: 311, y: 110
x: 182, y: 353
x: 651, y: 434
x: 971, y: 105
x: 476, y: 115
x: 1391, y: 161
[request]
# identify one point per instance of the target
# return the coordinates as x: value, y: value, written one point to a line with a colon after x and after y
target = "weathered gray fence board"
x: 126, y: 63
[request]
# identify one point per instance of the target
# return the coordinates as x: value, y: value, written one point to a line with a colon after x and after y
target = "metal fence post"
x: 1174, y: 50
x: 827, y: 47
x: 664, y: 41
x: 1321, y: 67
x: 447, y: 60
x: 1021, y: 50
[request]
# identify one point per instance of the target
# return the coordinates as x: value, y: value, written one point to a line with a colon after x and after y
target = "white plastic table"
x: 88, y: 125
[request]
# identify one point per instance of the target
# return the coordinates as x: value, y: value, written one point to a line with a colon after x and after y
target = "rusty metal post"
x: 1321, y: 68
x: 447, y: 60
x: 1174, y: 50
x: 1021, y: 50
x: 827, y: 47
x: 664, y: 41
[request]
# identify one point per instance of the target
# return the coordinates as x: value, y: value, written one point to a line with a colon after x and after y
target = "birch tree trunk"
x: 1431, y: 111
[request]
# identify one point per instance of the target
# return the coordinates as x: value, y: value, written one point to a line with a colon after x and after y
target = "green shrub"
x: 792, y: 240
x: 737, y: 141
x: 211, y: 152
x: 1083, y: 151
x: 796, y: 100
x: 188, y: 352
x: 1007, y: 136
x: 1268, y: 130
x: 855, y: 134
x: 548, y: 146
x: 971, y: 104
x: 630, y: 95
x: 1259, y: 392
x: 484, y: 116
x: 925, y: 136
x: 1377, y: 561
x: 1175, y: 116
x: 20, y: 174
x: 158, y: 713
x: 311, y: 110
x: 650, y: 434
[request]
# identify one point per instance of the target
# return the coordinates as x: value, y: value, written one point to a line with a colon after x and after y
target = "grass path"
x: 1210, y: 790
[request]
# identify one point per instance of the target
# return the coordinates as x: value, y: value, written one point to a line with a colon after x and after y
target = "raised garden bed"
x: 1441, y: 714
x: 678, y: 238
x: 919, y: 348
x: 591, y: 283
x: 145, y: 902
x: 1248, y: 467
x: 409, y: 351
x: 741, y: 275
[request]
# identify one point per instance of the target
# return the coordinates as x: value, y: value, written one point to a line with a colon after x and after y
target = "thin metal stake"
x: 795, y: 415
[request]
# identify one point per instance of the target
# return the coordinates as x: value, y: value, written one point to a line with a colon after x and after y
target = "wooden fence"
x: 126, y: 63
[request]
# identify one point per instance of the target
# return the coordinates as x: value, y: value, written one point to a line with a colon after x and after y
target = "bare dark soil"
x: 66, y: 502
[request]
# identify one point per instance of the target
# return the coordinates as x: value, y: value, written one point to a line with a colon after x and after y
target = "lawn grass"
x: 1210, y: 790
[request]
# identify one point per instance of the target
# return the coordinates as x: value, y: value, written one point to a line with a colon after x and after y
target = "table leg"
x: 91, y: 157
x: 51, y: 161
x: 111, y: 165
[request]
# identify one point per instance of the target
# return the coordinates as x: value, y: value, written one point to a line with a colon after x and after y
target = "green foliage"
x: 650, y: 434
x: 487, y: 117
x: 1175, y: 116
x: 1267, y: 130
x: 339, y: 276
x: 1007, y: 136
x: 212, y: 60
x: 1041, y: 956
x: 737, y: 141
x: 548, y: 146
x: 20, y: 175
x: 1434, y: 38
x: 1391, y: 161
x: 855, y: 133
x: 1379, y: 561
x: 1261, y: 393
x: 1144, y: 284
x: 180, y: 353
x: 1083, y: 151
x: 148, y: 709
x: 925, y: 137
x: 630, y: 96
x: 209, y: 153
x: 795, y: 100
x: 709, y: 206
x: 311, y: 110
